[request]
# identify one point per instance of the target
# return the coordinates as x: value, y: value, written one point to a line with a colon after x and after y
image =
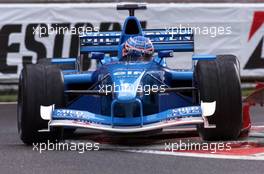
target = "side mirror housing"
x: 165, y: 53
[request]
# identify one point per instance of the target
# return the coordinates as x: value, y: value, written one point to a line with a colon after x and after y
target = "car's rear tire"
x: 219, y: 81
x: 38, y: 85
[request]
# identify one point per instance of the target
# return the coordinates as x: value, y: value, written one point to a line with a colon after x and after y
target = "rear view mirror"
x: 165, y: 53
x: 97, y: 55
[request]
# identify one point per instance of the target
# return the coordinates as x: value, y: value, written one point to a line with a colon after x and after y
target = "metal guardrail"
x: 7, y: 85
x: 252, y: 79
x: 8, y: 81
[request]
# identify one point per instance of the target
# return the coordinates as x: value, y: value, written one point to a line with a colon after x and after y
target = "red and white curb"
x: 259, y: 156
x: 251, y: 148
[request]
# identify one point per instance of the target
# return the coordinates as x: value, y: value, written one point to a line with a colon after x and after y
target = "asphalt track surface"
x: 15, y: 157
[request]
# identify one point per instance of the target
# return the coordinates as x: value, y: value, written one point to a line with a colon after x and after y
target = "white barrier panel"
x: 220, y: 29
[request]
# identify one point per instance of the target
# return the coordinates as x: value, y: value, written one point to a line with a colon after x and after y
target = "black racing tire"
x: 47, y: 61
x: 38, y: 85
x: 231, y: 58
x: 219, y: 81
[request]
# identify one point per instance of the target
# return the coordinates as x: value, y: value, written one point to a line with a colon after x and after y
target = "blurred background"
x: 225, y: 27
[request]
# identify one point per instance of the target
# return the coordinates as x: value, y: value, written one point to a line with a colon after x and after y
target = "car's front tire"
x: 219, y: 81
x: 38, y: 85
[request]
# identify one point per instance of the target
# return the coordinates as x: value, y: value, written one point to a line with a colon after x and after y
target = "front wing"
x: 83, y: 119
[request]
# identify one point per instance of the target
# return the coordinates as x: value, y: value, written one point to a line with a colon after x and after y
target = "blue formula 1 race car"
x: 132, y: 92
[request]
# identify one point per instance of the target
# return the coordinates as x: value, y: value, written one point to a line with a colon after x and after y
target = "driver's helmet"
x: 137, y: 48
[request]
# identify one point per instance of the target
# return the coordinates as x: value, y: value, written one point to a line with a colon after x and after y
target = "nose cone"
x: 126, y: 78
x: 127, y: 92
x: 126, y: 87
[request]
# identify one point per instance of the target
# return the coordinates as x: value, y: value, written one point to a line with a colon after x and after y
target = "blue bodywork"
x: 113, y: 105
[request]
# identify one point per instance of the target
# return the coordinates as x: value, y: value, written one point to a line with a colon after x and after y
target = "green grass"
x: 246, y: 92
x: 8, y: 97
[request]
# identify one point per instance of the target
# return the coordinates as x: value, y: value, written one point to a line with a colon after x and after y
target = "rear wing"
x: 99, y: 42
x: 162, y: 39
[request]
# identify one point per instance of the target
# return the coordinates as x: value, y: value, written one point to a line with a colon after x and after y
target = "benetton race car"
x: 134, y: 91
